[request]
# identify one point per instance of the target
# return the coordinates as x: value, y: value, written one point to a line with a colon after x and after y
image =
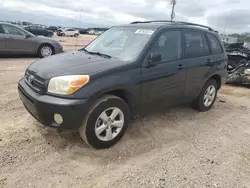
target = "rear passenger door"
x: 70, y: 32
x: 164, y: 83
x: 199, y: 61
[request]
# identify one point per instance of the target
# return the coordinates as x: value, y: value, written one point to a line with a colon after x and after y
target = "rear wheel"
x: 76, y: 35
x: 207, y: 96
x: 106, y: 122
x: 45, y: 51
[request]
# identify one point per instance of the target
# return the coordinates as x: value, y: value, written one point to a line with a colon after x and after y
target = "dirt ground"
x: 175, y: 147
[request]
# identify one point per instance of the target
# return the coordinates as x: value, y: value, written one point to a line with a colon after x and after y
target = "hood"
x: 72, y: 63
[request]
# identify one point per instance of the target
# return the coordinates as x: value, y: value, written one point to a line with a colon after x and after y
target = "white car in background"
x: 68, y: 32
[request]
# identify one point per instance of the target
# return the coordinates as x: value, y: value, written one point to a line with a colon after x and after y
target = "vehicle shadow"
x: 163, y: 126
x: 17, y: 56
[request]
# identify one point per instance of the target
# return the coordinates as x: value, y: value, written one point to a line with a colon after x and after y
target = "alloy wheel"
x: 109, y: 124
x: 209, y: 95
x: 46, y: 51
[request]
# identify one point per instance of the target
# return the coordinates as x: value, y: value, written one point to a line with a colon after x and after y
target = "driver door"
x: 17, y: 42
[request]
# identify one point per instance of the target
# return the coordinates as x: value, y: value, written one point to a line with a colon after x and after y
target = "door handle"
x: 209, y: 62
x: 180, y: 66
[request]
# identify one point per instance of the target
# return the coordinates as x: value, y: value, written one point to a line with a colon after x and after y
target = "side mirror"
x: 27, y: 36
x: 154, y: 58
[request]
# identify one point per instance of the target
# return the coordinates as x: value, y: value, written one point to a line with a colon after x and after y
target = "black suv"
x: 128, y: 68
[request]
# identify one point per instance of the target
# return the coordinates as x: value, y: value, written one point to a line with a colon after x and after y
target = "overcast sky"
x: 234, y: 14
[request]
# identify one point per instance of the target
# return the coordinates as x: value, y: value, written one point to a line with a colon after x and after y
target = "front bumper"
x: 58, y: 49
x: 43, y: 108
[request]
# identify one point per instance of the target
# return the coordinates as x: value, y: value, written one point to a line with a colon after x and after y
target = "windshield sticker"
x: 145, y: 32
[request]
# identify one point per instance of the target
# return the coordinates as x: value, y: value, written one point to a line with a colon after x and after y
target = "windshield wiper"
x: 83, y: 49
x: 96, y: 53
x: 101, y: 54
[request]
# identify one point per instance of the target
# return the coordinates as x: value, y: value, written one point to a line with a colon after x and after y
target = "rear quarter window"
x: 214, y: 44
x: 195, y: 44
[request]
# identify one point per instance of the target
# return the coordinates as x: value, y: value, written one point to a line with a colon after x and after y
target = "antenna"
x: 173, y: 3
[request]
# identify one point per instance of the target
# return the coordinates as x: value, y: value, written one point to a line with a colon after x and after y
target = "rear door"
x: 68, y: 32
x: 71, y: 32
x: 199, y: 61
x: 164, y: 83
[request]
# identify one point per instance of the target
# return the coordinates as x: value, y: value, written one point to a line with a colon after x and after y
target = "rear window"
x: 214, y: 44
x: 195, y: 44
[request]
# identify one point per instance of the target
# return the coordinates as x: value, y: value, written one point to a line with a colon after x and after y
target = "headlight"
x: 66, y: 85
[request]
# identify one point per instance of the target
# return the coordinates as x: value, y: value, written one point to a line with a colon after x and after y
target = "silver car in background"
x: 17, y: 41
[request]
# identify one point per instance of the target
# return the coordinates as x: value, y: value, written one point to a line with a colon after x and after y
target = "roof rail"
x: 173, y: 22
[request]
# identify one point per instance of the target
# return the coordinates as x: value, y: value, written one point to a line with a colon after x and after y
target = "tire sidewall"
x: 91, y: 137
x: 201, y: 97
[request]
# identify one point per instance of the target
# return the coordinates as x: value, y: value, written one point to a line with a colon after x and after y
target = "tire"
x: 76, y: 35
x: 45, y: 50
x: 106, y: 104
x: 203, y: 104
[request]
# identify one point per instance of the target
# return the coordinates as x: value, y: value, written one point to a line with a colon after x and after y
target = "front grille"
x: 35, y: 82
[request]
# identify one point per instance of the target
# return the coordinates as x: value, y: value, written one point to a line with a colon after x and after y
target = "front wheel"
x: 45, y: 51
x: 106, y: 122
x: 76, y: 35
x: 207, y: 96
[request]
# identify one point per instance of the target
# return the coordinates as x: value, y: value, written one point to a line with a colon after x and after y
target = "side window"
x: 168, y: 45
x: 8, y: 29
x: 195, y: 44
x: 214, y: 44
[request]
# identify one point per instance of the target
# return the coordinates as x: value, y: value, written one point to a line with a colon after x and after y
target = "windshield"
x: 122, y: 43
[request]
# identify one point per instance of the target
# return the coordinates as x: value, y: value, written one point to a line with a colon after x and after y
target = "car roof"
x: 7, y: 23
x: 168, y: 24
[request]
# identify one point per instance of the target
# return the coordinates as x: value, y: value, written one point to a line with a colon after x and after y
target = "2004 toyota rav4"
x: 99, y: 88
